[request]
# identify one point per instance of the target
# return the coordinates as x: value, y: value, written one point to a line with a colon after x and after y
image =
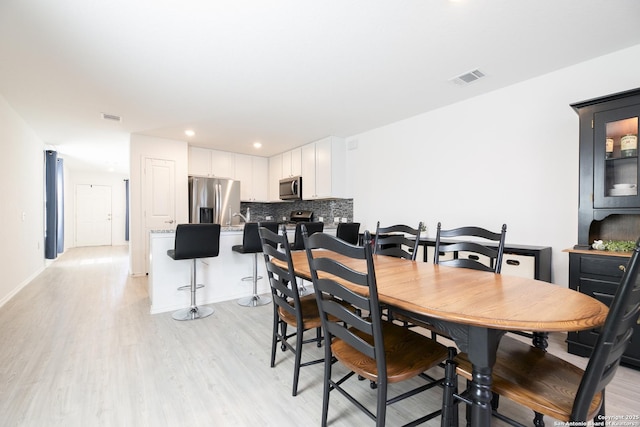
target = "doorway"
x: 93, y: 215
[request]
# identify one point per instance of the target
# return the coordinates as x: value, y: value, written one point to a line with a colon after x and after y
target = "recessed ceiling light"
x: 189, y: 132
x: 257, y: 144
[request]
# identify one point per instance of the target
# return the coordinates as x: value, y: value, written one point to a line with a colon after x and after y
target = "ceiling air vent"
x: 469, y: 77
x: 111, y: 117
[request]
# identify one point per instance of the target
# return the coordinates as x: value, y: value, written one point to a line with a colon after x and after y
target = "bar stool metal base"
x: 192, y: 313
x: 254, y: 301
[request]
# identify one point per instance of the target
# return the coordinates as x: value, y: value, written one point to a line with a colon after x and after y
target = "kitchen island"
x: 221, y: 275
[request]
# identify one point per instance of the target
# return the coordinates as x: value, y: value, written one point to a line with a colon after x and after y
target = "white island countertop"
x: 221, y: 275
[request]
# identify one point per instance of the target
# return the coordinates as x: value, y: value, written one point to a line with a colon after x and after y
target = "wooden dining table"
x: 475, y: 308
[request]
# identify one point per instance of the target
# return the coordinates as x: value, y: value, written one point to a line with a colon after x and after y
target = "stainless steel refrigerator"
x: 214, y: 200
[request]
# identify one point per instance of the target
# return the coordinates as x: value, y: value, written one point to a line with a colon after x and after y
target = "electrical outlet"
x: 344, y: 219
x: 268, y: 218
x: 284, y: 218
x: 321, y: 219
x: 336, y: 220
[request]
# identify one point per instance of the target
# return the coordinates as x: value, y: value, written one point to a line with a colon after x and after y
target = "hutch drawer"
x: 598, y: 276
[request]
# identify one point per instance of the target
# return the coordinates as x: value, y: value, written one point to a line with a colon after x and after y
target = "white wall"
x: 22, y: 207
x: 510, y: 156
x: 74, y: 178
x: 143, y: 147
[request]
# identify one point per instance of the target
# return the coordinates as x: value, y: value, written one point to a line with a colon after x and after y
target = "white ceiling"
x: 282, y: 72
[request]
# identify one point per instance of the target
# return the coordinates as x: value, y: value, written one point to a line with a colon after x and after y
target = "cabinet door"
x: 252, y: 173
x: 199, y: 161
x: 222, y: 164
x: 275, y: 174
x: 323, y: 168
x: 616, y: 158
x: 259, y: 175
x: 308, y: 162
x: 291, y: 163
x: 296, y: 162
x: 286, y: 165
x: 243, y: 174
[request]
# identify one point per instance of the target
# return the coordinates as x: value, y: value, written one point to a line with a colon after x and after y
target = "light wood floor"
x: 78, y: 347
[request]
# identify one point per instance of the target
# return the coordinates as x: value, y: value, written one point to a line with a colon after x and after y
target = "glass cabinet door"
x: 616, y: 158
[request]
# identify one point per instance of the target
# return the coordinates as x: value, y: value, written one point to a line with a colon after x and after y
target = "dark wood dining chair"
x: 349, y: 232
x: 298, y: 245
x: 552, y: 386
x: 399, y: 240
x: 289, y: 308
x: 360, y: 340
x: 468, y: 253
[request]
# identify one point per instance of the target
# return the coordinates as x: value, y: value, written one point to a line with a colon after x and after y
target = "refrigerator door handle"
x: 218, y: 199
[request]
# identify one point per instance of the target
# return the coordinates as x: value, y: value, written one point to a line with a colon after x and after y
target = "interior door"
x: 93, y: 215
x: 159, y: 194
x: 159, y: 198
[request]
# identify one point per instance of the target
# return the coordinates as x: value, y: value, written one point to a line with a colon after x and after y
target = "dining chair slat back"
x: 399, y: 240
x: 289, y: 308
x: 467, y: 253
x: 355, y: 333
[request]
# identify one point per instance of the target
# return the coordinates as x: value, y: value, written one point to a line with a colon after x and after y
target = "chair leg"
x: 538, y: 419
x: 327, y: 384
x: 381, y: 410
x: 298, y: 357
x: 274, y: 338
x: 193, y: 312
x: 254, y: 300
x: 468, y: 408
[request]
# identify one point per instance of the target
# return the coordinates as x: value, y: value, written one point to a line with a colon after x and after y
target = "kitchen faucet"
x: 245, y: 219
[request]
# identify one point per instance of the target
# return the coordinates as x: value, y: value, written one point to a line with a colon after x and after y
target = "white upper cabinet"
x: 214, y: 163
x: 291, y: 163
x: 324, y: 169
x: 199, y: 161
x: 222, y: 164
x: 275, y: 175
x: 252, y: 172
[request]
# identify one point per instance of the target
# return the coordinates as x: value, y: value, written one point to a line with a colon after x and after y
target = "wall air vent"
x: 111, y: 117
x: 470, y: 77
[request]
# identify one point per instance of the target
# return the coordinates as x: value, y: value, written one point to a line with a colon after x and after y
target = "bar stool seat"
x: 251, y: 244
x: 195, y: 241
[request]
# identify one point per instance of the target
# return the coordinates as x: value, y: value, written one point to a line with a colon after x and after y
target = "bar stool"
x: 195, y: 241
x: 251, y: 244
x: 349, y: 232
x: 298, y: 245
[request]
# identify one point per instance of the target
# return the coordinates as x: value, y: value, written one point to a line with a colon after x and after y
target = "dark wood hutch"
x: 609, y: 204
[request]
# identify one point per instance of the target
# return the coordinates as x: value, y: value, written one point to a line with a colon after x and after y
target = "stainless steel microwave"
x: 291, y: 188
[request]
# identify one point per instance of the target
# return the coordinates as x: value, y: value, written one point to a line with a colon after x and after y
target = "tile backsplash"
x: 327, y: 209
